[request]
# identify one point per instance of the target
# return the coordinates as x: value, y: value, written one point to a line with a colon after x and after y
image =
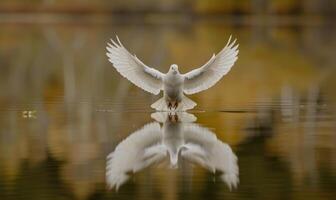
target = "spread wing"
x: 210, y: 73
x: 138, y: 151
x: 204, y: 148
x: 133, y: 69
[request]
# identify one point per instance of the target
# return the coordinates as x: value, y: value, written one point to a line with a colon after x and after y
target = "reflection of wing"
x: 136, y: 152
x: 133, y: 69
x: 210, y: 73
x: 203, y: 147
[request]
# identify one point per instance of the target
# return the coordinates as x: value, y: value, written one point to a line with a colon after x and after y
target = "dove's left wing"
x: 210, y: 73
x: 204, y: 148
x: 133, y: 69
x: 198, y: 140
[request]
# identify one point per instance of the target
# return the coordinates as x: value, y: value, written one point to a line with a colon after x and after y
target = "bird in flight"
x: 175, y: 86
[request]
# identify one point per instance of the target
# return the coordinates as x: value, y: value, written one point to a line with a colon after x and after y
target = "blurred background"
x: 63, y: 107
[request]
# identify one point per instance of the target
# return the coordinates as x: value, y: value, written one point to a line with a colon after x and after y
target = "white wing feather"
x: 204, y: 148
x: 133, y: 69
x: 210, y: 73
x: 139, y: 150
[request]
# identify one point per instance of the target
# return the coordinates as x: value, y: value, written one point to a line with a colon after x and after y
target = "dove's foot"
x: 172, y: 117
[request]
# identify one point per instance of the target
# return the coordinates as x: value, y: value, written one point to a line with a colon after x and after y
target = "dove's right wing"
x: 133, y: 69
x: 210, y: 73
x: 137, y: 151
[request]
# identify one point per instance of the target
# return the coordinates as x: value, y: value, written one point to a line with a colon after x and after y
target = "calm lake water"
x: 267, y: 130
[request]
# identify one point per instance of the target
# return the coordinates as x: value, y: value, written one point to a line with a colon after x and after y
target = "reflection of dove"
x: 151, y: 144
x: 173, y: 84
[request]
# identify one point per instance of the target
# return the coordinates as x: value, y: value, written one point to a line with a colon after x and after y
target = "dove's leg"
x: 170, y: 105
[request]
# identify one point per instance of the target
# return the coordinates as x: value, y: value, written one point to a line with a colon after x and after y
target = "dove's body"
x: 173, y: 84
x: 173, y: 89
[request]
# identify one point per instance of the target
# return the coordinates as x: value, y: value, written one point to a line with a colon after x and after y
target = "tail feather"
x: 160, y: 105
x: 186, y: 104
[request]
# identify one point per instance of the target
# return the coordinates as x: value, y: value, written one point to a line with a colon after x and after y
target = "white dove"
x: 177, y: 137
x: 173, y: 84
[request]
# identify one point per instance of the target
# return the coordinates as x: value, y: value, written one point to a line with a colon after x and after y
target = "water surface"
x: 64, y: 109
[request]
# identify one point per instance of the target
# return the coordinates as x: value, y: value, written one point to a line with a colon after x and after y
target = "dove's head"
x: 174, y: 69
